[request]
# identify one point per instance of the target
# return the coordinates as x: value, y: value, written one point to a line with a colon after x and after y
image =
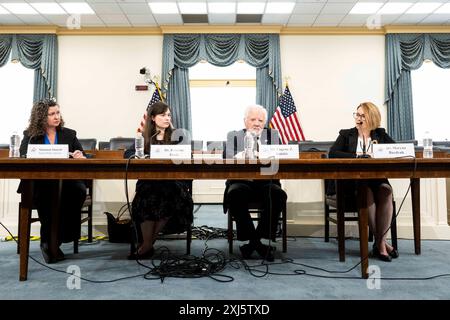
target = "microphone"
x: 364, y: 150
x: 154, y: 135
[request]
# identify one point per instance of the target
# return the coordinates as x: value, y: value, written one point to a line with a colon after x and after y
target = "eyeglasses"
x: 57, y: 113
x: 358, y: 115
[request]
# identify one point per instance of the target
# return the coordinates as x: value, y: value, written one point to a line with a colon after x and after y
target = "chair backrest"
x: 197, y: 145
x: 445, y: 144
x: 322, y: 146
x: 103, y: 145
x: 121, y: 143
x: 215, y: 145
x: 88, y: 144
x: 408, y: 141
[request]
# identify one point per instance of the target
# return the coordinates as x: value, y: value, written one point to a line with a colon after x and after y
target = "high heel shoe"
x: 393, y: 254
x: 266, y: 252
x: 141, y: 256
x: 383, y: 257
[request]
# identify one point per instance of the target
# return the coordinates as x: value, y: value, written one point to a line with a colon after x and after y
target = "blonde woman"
x: 357, y: 142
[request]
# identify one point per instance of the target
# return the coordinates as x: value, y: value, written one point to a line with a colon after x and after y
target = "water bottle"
x: 139, y: 146
x: 427, y: 146
x: 14, y: 147
x: 249, y: 145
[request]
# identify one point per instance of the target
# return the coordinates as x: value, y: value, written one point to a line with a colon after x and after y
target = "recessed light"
x: 77, y: 8
x: 192, y: 7
x: 280, y: 7
x: 19, y: 8
x: 163, y: 7
x: 48, y: 8
x: 423, y: 7
x: 394, y: 8
x: 221, y: 7
x: 366, y: 7
x: 250, y: 7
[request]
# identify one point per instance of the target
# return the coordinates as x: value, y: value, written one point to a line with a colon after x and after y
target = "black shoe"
x: 60, y: 255
x: 376, y: 253
x: 246, y: 250
x: 265, y: 252
x: 141, y: 256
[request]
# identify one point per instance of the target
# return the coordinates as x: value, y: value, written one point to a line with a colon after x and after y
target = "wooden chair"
x: 255, y: 209
x: 89, y: 146
x: 341, y: 205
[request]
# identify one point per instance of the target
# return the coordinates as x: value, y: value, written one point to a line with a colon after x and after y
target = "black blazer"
x: 235, y: 144
x: 65, y: 136
x: 345, y: 147
x: 346, y: 143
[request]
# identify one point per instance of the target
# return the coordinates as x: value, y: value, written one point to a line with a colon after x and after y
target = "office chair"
x: 197, y: 145
x: 88, y: 144
x: 121, y: 143
x: 215, y: 145
x: 87, y: 204
x: 340, y: 205
x: 255, y: 209
x: 103, y: 145
x: 415, y: 142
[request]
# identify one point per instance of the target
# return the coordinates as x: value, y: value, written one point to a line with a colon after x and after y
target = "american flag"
x: 155, y: 98
x: 286, y: 121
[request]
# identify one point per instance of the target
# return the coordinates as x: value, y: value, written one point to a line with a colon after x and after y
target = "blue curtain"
x: 406, y: 52
x: 181, y: 52
x: 38, y: 52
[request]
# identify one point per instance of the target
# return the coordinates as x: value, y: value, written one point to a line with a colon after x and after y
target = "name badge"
x: 48, y: 151
x: 393, y: 150
x: 278, y: 151
x: 178, y: 151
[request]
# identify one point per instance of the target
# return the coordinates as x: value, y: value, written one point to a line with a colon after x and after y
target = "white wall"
x: 328, y: 77
x: 96, y: 82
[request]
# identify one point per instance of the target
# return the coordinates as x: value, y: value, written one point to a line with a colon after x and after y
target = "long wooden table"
x: 413, y: 169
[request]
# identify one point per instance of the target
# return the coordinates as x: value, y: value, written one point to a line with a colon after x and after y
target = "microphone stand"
x: 364, y: 150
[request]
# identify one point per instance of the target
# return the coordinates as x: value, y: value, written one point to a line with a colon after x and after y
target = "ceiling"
x: 304, y: 13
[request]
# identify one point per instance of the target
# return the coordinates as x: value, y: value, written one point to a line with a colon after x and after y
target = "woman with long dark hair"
x: 159, y: 204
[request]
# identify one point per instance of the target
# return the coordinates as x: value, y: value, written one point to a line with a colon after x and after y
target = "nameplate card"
x: 176, y: 151
x: 393, y: 150
x: 48, y: 151
x: 278, y: 151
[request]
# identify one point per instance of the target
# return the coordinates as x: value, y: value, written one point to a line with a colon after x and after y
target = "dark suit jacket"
x: 235, y: 144
x: 346, y: 144
x: 65, y: 136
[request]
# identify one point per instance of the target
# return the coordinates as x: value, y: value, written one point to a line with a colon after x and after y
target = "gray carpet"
x: 106, y: 261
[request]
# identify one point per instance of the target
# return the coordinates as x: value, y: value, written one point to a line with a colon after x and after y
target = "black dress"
x: 158, y: 199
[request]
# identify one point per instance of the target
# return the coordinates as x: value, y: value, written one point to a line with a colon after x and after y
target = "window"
x: 431, y: 101
x: 219, y: 96
x: 16, y: 100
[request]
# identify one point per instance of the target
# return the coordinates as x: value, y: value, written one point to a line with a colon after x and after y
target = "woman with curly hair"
x: 46, y: 126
